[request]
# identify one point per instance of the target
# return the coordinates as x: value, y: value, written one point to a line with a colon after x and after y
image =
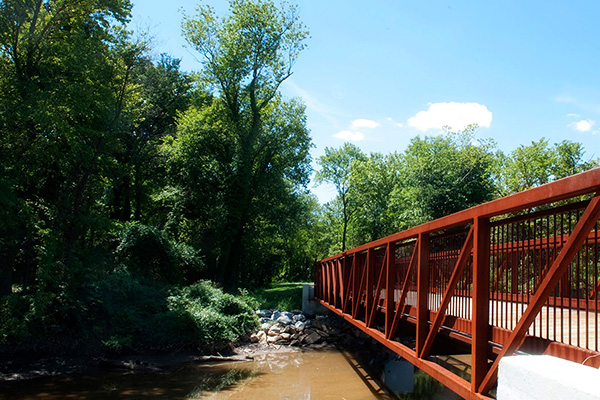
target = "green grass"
x: 282, y: 296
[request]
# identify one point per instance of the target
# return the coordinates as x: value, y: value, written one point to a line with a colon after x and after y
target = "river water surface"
x: 326, y: 374
x: 297, y: 375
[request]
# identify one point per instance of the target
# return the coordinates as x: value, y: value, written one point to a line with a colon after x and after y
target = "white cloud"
x: 364, y: 123
x: 573, y: 115
x: 353, y: 136
x: 585, y: 125
x: 455, y: 115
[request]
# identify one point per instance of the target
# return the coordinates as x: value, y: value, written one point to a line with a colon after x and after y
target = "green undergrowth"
x: 124, y: 312
x: 282, y: 296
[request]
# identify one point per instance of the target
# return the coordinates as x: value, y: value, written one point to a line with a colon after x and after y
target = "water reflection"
x: 188, y: 381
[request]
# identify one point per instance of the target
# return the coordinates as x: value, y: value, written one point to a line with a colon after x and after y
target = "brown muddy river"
x: 327, y: 374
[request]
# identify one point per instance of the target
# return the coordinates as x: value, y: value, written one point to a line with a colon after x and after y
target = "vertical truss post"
x: 369, y: 298
x: 480, y: 302
x: 347, y: 273
x: 357, y: 286
x: 422, y: 291
x: 323, y: 282
x: 390, y: 287
x: 340, y: 275
x: 334, y: 281
x: 329, y: 282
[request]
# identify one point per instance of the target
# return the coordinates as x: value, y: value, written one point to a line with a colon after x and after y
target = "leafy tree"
x: 336, y: 168
x: 57, y: 116
x: 538, y: 163
x: 373, y: 181
x: 445, y: 174
x: 253, y: 146
x: 150, y: 98
x: 202, y: 163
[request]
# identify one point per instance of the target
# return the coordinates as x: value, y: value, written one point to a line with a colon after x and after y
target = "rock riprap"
x: 294, y: 328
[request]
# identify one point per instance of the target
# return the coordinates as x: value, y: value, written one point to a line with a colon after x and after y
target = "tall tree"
x: 445, y: 174
x: 56, y: 120
x: 336, y: 168
x: 246, y: 56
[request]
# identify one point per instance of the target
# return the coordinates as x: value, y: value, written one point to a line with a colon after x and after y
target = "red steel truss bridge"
x: 517, y: 275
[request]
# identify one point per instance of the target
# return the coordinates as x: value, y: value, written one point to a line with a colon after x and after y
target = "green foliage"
x: 149, y: 252
x: 123, y: 312
x: 539, y: 163
x: 373, y: 183
x: 447, y: 173
x: 336, y: 166
x: 240, y: 160
x: 209, y: 315
x: 119, y: 178
x: 379, y: 195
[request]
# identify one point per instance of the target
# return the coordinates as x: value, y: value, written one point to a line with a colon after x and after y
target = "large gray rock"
x: 265, y: 326
x: 300, y: 325
x: 276, y: 314
x: 299, y: 317
x: 264, y: 313
x: 274, y: 330
x: 262, y: 336
x: 273, y: 339
x: 313, y: 338
x: 284, y: 320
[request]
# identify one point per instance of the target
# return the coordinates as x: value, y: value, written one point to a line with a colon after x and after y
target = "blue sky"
x: 379, y: 73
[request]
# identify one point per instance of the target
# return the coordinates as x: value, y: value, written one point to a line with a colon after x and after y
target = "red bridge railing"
x: 518, y: 274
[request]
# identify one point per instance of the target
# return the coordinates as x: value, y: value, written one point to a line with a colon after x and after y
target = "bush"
x: 123, y: 312
x: 210, y: 315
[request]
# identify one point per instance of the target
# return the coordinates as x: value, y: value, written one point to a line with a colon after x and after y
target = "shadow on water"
x: 186, y: 382
x: 326, y: 374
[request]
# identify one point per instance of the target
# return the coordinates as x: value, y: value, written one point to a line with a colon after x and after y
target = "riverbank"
x: 244, y: 359
x: 274, y: 336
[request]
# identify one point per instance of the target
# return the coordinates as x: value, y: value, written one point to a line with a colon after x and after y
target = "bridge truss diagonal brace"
x: 377, y: 290
x: 407, y: 280
x: 459, y: 267
x: 555, y: 273
x: 349, y: 283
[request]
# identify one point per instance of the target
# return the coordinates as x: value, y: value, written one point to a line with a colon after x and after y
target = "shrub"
x: 210, y: 315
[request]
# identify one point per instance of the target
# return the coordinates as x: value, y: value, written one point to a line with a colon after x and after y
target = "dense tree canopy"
x: 58, y: 122
x: 435, y: 176
x: 125, y: 182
